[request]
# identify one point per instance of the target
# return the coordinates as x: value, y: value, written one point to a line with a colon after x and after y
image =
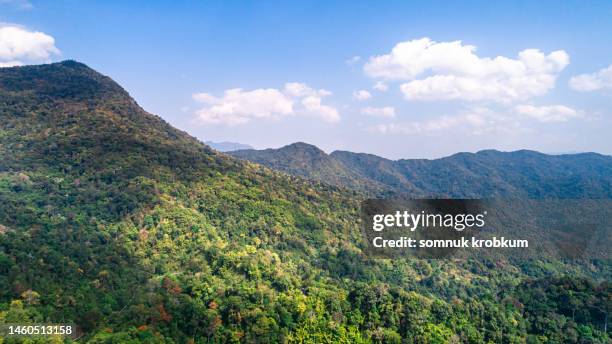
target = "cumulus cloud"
x: 451, y: 70
x: 238, y: 106
x: 362, y: 95
x: 311, y: 100
x: 551, y: 113
x: 19, y: 46
x: 312, y: 105
x: 599, y: 80
x: 387, y: 111
x: 299, y: 89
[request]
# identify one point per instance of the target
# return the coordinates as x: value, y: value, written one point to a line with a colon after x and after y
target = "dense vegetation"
x: 487, y: 173
x: 302, y: 159
x: 113, y: 220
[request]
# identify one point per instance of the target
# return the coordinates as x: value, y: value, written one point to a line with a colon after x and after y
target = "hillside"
x: 308, y: 161
x: 136, y: 232
x: 484, y: 174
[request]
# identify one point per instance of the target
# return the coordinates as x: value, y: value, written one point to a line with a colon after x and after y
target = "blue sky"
x: 271, y: 73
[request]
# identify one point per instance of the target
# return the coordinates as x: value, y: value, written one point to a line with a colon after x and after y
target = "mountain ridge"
x: 378, y: 176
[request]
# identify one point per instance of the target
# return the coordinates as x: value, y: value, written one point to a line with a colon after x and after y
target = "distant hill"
x: 226, y: 146
x: 484, y: 174
x: 309, y: 161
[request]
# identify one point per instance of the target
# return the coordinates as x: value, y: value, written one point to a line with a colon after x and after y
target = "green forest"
x: 112, y: 220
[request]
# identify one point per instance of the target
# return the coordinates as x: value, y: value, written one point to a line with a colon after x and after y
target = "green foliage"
x: 138, y: 233
x: 485, y: 174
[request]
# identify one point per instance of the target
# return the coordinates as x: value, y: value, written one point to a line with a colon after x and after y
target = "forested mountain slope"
x: 467, y: 175
x: 115, y: 221
x: 309, y: 161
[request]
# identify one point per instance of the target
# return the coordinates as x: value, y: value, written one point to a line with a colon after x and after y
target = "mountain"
x: 484, y: 174
x: 226, y: 146
x: 113, y: 219
x: 134, y: 231
x: 309, y: 161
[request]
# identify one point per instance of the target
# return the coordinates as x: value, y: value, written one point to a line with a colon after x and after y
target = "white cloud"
x: 599, y: 80
x: 313, y: 105
x: 237, y: 106
x: 362, y: 95
x: 299, y: 89
x: 450, y: 70
x: 19, y: 46
x: 387, y: 111
x: 311, y: 100
x: 551, y: 113
x: 381, y: 86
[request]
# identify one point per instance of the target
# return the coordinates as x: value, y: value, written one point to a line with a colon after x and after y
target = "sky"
x: 400, y: 79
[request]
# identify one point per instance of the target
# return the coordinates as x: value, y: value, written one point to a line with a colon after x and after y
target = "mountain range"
x: 134, y: 231
x: 486, y: 174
